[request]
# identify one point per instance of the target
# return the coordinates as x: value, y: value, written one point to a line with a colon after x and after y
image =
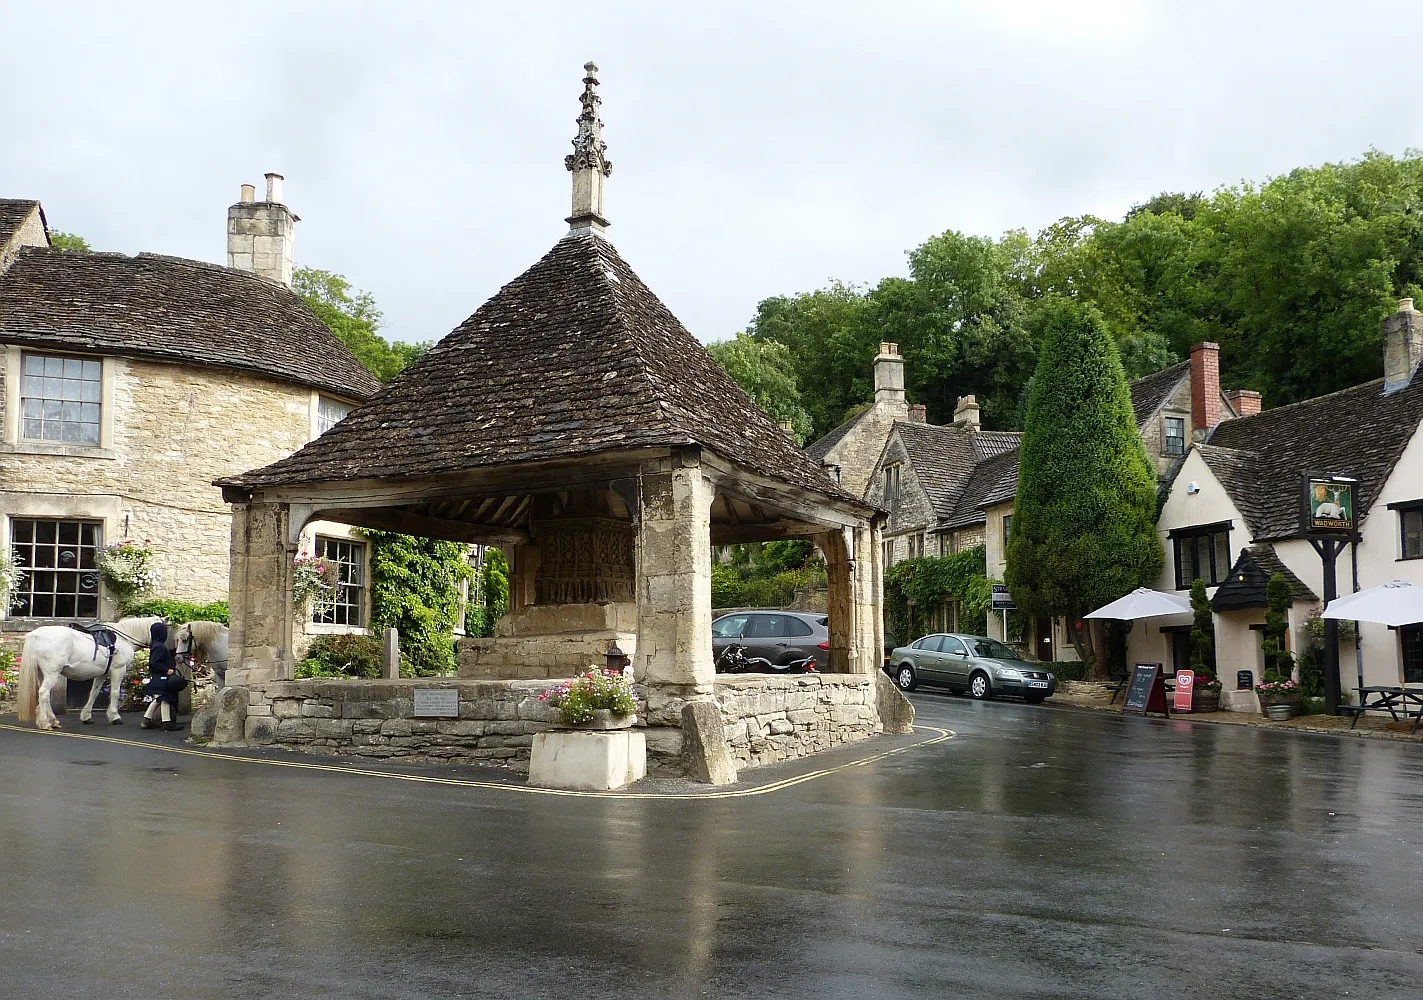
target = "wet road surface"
x: 1041, y: 853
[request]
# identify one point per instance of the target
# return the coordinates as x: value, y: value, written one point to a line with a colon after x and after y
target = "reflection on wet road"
x: 1042, y: 853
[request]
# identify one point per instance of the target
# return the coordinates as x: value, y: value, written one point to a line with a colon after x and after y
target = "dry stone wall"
x: 776, y: 718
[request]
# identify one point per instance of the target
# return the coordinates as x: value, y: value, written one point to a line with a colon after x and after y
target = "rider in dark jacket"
x: 164, y: 681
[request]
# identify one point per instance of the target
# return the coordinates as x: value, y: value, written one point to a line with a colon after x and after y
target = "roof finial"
x: 589, y: 161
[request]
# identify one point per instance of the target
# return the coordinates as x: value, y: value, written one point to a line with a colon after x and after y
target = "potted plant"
x: 1205, y: 692
x: 598, y: 699
x: 1281, y: 693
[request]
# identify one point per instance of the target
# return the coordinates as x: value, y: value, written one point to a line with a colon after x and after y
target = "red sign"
x: 1185, y: 682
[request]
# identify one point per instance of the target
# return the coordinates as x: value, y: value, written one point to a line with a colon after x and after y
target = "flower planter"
x: 1292, y: 702
x: 1278, y: 713
x: 1205, y: 700
x: 603, y: 719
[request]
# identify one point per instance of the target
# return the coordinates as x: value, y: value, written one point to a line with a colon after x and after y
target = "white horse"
x: 205, y: 641
x: 54, y: 650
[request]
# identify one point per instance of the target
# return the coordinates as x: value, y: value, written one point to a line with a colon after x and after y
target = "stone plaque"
x: 437, y: 703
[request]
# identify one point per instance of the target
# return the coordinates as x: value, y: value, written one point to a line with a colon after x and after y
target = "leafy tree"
x: 68, y: 241
x: 764, y: 369
x: 1084, y: 530
x: 353, y: 316
x: 831, y: 345
x: 415, y: 589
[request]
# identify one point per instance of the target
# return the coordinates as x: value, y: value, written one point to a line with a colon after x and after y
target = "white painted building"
x: 1232, y: 518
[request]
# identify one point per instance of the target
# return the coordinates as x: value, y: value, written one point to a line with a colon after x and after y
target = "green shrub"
x: 1312, y: 706
x: 1068, y: 670
x: 343, y: 656
x: 178, y: 612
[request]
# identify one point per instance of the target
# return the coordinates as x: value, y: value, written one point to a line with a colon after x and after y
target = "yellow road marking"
x: 774, y: 786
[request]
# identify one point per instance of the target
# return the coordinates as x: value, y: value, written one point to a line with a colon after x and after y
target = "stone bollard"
x: 392, y: 655
x: 705, y: 755
x: 896, y: 714
x: 231, y: 727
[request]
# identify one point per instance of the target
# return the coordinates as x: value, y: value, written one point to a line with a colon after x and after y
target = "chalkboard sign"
x: 1147, y: 690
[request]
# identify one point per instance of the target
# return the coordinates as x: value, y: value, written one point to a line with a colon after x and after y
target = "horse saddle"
x: 104, y: 637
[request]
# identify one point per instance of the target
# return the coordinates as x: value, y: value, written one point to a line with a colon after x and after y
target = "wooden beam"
x: 732, y: 534
x: 410, y: 523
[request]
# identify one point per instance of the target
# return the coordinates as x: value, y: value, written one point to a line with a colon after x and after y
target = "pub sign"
x: 1328, y: 503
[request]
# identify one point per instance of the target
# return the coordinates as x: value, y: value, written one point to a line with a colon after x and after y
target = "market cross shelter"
x: 574, y: 422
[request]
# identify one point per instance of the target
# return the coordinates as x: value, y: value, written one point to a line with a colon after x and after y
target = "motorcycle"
x: 733, y: 660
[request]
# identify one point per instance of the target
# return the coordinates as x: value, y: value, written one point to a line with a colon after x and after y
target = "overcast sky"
x: 758, y: 149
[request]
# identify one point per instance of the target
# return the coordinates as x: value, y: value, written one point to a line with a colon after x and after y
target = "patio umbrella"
x: 1395, y: 603
x: 1144, y: 603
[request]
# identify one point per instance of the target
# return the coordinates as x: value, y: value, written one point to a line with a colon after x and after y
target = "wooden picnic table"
x: 1391, y: 698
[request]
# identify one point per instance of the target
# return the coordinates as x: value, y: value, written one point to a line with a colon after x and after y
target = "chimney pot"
x: 1205, y: 387
x: 249, y: 193
x: 274, y: 188
x: 1402, y: 346
x: 261, y: 235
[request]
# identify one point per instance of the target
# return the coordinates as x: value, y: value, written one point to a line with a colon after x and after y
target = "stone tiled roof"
x: 1250, y: 576
x: 943, y: 458
x: 987, y: 444
x: 1360, y: 431
x: 820, y: 448
x: 993, y: 480
x: 176, y: 310
x: 1150, y: 391
x: 575, y: 356
x: 13, y: 212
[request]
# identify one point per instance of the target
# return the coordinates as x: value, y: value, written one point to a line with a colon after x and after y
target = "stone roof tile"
x: 573, y: 357
x: 1259, y: 459
x: 170, y: 309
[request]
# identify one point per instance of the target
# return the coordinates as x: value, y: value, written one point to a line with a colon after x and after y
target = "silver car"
x: 973, y: 664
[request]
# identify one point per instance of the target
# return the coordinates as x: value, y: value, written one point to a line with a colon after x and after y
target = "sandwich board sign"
x: 1146, y: 691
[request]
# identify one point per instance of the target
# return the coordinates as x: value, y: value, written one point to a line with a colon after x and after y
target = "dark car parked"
x: 779, y: 636
x: 969, y: 664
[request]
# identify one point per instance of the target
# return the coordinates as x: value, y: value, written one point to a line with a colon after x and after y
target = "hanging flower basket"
x: 127, y: 570
x: 11, y: 576
x: 312, y: 576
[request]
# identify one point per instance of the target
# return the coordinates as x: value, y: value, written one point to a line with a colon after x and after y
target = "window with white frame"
x: 60, y: 398
x: 330, y: 412
x: 59, y: 559
x: 345, y: 603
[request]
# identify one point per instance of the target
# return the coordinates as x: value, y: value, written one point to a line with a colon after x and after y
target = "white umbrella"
x: 1144, y: 603
x: 1395, y: 603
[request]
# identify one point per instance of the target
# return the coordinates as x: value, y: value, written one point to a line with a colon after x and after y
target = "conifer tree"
x: 1084, y: 524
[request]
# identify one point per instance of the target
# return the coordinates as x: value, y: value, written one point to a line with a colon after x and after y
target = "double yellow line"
x: 774, y: 786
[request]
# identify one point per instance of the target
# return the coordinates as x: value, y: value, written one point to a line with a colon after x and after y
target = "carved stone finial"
x: 589, y: 161
x: 590, y: 152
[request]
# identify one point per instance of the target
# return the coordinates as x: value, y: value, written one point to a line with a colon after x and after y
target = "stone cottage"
x: 1233, y: 518
x: 606, y: 463
x: 951, y: 488
x: 129, y: 383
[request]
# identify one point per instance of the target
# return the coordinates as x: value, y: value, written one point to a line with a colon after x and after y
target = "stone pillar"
x: 867, y: 654
x: 260, y: 595
x: 674, y: 576
x: 834, y: 546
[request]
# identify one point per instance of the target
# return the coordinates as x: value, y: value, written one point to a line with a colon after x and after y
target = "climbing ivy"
x: 415, y: 589
x: 914, y: 586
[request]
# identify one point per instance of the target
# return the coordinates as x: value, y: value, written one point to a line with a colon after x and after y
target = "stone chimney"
x: 1402, y: 346
x: 1245, y: 402
x: 966, y: 412
x: 261, y: 235
x: 1205, y: 386
x: 918, y: 414
x: 589, y: 161
x: 889, y: 375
